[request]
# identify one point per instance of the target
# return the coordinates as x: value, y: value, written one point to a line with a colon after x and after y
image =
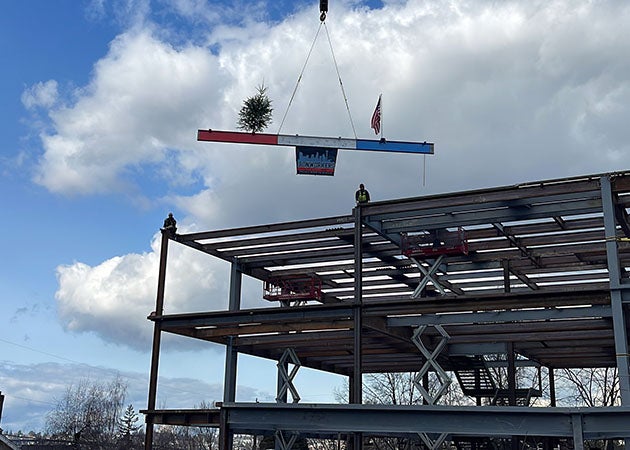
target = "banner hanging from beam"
x: 315, y: 160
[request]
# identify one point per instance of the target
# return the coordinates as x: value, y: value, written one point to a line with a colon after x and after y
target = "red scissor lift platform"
x: 435, y: 243
x: 295, y: 288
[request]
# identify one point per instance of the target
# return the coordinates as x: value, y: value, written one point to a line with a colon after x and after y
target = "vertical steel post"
x: 552, y: 388
x: 231, y: 355
x: 357, y: 391
x: 578, y: 433
x: 616, y: 288
x: 506, y: 275
x: 225, y: 436
x: 356, y: 395
x: 511, y: 374
x: 282, y: 395
x: 280, y: 398
x: 1, y: 404
x: 157, y: 335
x: 478, y: 386
x: 425, y: 385
x: 549, y: 442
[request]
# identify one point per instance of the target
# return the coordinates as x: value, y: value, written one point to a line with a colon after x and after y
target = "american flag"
x: 376, y: 117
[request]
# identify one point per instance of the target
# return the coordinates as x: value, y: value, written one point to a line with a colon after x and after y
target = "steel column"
x: 357, y: 391
x: 552, y: 388
x: 511, y: 379
x: 157, y: 334
x: 356, y: 395
x: 614, y: 273
x: 506, y: 275
x: 225, y: 433
x: 511, y: 374
x: 578, y: 434
x: 231, y: 355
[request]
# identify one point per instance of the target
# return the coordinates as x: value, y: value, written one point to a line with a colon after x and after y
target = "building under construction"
x: 533, y: 274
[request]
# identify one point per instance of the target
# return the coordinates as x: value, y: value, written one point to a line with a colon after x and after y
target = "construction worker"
x: 170, y: 224
x: 362, y: 196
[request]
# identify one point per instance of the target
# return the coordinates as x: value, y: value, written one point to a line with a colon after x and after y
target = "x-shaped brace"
x: 289, y: 356
x: 284, y: 443
x: 431, y: 361
x: 429, y: 275
x: 433, y: 443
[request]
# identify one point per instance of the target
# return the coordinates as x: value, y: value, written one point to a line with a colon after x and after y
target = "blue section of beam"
x: 395, y: 146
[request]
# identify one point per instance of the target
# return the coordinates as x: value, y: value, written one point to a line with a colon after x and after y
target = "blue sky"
x: 101, y: 101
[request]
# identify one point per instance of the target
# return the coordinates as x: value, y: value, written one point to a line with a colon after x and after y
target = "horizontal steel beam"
x: 272, y: 228
x: 502, y: 316
x: 558, y: 200
x: 507, y: 214
x: 597, y: 423
x: 255, y: 316
x: 379, y: 145
x: 481, y: 196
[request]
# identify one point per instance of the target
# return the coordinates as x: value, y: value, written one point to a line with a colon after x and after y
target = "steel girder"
x: 383, y: 420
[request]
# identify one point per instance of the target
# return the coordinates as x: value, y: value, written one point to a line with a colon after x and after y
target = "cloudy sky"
x: 101, y: 100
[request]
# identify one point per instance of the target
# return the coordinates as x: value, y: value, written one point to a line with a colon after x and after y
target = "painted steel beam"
x: 255, y: 316
x: 272, y: 228
x: 482, y: 216
x: 501, y: 316
x: 237, y: 137
x: 597, y: 423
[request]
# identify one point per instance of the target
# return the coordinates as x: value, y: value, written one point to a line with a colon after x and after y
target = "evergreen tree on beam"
x: 255, y: 115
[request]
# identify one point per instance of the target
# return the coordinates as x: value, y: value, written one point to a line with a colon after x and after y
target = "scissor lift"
x: 433, y: 246
x: 435, y: 243
x: 293, y: 289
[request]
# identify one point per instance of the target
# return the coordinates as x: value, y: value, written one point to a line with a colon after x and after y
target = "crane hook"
x: 323, y: 8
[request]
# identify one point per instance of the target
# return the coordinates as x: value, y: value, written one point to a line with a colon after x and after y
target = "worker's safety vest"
x: 362, y: 196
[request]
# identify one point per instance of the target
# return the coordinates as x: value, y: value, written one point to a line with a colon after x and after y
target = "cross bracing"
x: 538, y: 277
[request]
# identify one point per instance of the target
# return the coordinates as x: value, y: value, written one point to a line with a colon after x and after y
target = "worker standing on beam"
x: 362, y: 196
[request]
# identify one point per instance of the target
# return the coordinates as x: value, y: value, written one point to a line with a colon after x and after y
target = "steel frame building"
x: 543, y: 280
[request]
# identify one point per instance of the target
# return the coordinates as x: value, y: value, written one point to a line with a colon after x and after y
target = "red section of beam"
x: 237, y: 137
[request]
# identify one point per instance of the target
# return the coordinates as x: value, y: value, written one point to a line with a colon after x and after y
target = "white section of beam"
x: 312, y: 141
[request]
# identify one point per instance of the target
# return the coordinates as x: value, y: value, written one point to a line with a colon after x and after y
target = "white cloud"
x: 114, y: 298
x: 509, y: 92
x: 41, y: 94
x: 145, y: 98
x: 34, y: 390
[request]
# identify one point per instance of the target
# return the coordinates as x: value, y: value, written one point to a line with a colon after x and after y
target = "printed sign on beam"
x: 315, y: 160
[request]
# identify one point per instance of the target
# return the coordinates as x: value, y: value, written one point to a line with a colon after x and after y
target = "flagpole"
x: 380, y: 101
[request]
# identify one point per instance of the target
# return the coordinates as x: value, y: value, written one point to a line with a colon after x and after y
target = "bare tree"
x: 591, y: 387
x: 88, y: 413
x: 400, y: 388
x: 188, y: 437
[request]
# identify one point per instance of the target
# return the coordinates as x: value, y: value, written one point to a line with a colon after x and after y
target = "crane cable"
x: 343, y: 92
x: 300, y: 76
x: 322, y: 19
